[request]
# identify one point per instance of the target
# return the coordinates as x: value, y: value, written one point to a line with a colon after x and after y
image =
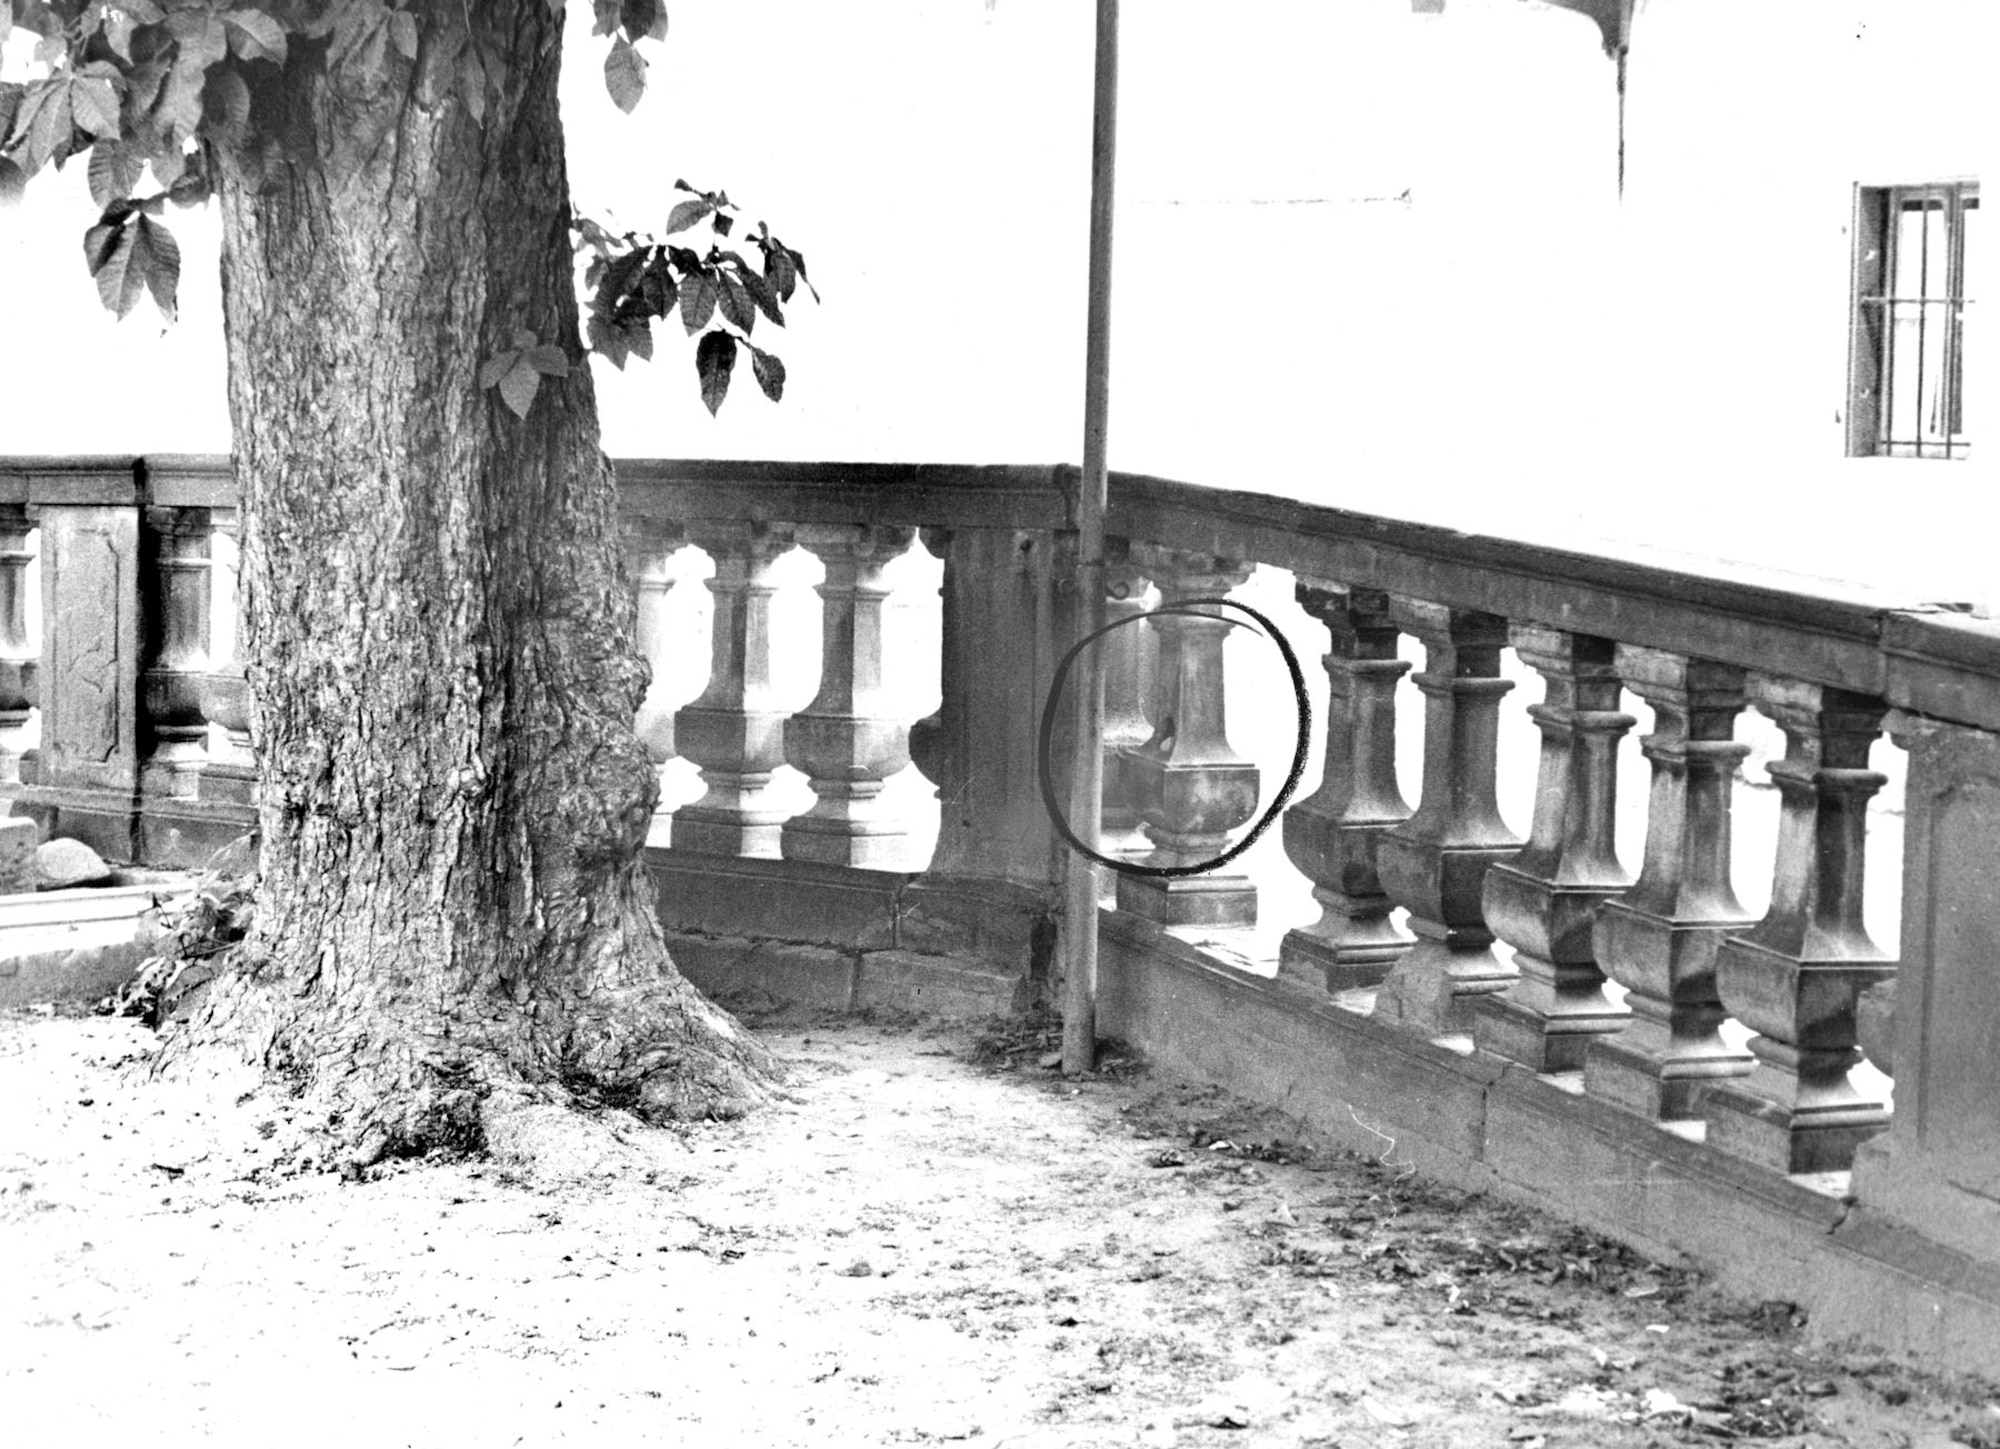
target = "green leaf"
x: 256, y: 36
x: 498, y: 366
x: 191, y: 187
x: 778, y: 267
x: 608, y: 15
x: 13, y: 182
x: 227, y: 107
x: 142, y: 88
x: 170, y: 166
x: 10, y: 102
x: 158, y: 255
x: 737, y: 308
x: 202, y: 37
x: 6, y: 21
x: 119, y: 283
x: 615, y: 341
x: 180, y: 108
x: 714, y: 360
x: 621, y: 275
x: 799, y: 262
x: 685, y: 214
x: 45, y: 117
x: 118, y: 27
x: 547, y: 359
x: 644, y: 19
x: 625, y: 74
x: 606, y: 339
x: 94, y: 105
x: 657, y: 290
x: 115, y: 170
x: 697, y: 301
x: 770, y: 374
x: 761, y: 293
x: 518, y: 388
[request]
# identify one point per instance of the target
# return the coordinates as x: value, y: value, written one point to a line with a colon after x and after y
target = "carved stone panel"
x: 90, y: 622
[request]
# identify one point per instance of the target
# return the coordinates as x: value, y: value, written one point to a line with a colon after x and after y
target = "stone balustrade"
x: 1634, y: 1046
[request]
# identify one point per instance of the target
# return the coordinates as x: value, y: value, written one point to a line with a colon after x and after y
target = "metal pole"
x: 1086, y: 775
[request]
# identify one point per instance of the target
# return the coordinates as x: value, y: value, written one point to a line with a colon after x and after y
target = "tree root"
x: 554, y: 1094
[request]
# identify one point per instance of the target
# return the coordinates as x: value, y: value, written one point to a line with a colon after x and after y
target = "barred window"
x: 1911, y: 301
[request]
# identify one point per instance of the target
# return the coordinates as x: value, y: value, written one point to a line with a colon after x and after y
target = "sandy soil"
x: 935, y: 1240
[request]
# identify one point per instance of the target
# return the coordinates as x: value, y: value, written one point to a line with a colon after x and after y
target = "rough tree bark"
x: 453, y: 917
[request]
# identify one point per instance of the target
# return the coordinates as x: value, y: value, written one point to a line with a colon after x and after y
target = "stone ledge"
x: 821, y: 976
x: 1477, y: 1122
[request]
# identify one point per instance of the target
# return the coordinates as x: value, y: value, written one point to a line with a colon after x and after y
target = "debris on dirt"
x: 1009, y: 1044
x: 1148, y: 1263
x: 195, y: 934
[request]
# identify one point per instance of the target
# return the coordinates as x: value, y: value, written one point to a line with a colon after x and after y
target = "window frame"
x: 1872, y: 352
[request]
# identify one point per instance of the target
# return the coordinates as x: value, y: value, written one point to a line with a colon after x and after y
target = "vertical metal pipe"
x: 1086, y: 773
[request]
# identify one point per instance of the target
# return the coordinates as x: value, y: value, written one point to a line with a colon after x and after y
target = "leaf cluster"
x: 633, y: 280
x: 195, y: 934
x: 169, y: 96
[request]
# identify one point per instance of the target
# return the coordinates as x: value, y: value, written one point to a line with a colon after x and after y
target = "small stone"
x: 859, y: 1268
x: 65, y: 863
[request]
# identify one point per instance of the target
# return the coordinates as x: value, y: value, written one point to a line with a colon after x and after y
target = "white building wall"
x: 1364, y: 256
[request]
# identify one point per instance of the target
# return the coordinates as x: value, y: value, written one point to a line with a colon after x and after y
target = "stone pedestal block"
x: 1938, y: 1166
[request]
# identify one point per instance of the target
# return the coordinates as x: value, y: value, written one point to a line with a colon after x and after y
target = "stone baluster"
x: 1659, y: 939
x: 1793, y: 978
x: 1331, y: 835
x: 734, y: 730
x: 847, y: 741
x: 650, y: 546
x: 1193, y: 788
x: 1434, y: 864
x: 20, y: 658
x: 1130, y: 656
x: 1545, y: 900
x: 179, y: 578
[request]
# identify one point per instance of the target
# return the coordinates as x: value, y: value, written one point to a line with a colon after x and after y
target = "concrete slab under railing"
x: 79, y: 944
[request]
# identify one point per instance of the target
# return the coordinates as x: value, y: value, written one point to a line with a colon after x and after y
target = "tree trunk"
x: 453, y: 914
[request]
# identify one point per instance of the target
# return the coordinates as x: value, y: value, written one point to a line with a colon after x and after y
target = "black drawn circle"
x: 1045, y: 772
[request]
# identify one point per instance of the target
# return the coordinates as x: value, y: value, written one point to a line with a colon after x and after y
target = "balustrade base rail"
x: 1478, y: 1121
x: 847, y: 938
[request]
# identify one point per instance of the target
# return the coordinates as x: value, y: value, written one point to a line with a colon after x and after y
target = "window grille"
x: 1911, y: 301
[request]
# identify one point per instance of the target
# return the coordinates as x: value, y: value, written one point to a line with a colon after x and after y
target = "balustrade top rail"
x: 1916, y: 653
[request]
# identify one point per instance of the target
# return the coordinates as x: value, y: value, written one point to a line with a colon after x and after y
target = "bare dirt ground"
x: 934, y: 1241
